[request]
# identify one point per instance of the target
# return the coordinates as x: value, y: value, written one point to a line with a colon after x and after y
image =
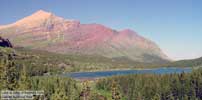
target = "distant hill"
x: 186, y: 63
x: 46, y: 31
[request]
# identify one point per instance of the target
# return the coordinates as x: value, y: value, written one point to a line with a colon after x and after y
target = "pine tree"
x: 169, y: 97
x: 2, y: 74
x: 85, y: 93
x: 59, y: 94
x: 24, y: 82
x: 11, y: 76
x: 139, y: 96
x: 156, y: 97
x: 185, y: 97
x: 192, y: 92
x: 115, y: 91
x: 59, y: 90
x: 8, y: 71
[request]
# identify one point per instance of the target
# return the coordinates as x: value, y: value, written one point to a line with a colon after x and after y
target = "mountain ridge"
x: 46, y: 31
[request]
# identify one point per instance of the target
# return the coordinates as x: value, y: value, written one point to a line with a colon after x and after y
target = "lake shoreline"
x: 126, y: 69
x: 102, y: 74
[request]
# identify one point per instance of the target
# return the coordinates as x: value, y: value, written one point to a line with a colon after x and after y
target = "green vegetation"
x: 186, y: 63
x: 23, y: 69
x: 54, y: 62
x: 185, y: 86
x: 17, y: 76
x: 42, y: 62
x: 56, y: 88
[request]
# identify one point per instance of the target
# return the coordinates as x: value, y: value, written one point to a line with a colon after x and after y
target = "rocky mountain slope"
x: 46, y: 31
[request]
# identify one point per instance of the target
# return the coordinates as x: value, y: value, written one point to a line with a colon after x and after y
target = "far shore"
x: 122, y: 69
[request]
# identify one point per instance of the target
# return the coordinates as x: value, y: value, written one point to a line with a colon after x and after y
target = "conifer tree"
x: 11, y: 76
x: 59, y: 94
x: 156, y: 97
x: 2, y: 74
x: 24, y: 82
x: 115, y: 91
x: 139, y: 96
x: 85, y: 93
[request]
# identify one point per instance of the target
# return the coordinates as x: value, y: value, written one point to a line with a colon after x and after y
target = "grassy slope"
x: 81, y: 62
x: 185, y: 63
x: 72, y: 63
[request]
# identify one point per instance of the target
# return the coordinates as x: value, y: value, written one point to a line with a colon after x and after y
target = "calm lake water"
x: 80, y: 75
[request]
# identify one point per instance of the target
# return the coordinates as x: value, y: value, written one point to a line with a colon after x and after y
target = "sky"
x: 174, y: 25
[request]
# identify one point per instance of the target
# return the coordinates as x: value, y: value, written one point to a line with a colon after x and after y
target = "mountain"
x: 46, y: 31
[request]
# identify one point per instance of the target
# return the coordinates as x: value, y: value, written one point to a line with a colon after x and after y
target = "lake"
x: 98, y: 74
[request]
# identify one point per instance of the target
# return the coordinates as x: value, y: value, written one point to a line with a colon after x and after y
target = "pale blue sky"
x: 175, y: 25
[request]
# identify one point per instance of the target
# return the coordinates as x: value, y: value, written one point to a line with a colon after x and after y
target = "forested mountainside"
x: 27, y: 76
